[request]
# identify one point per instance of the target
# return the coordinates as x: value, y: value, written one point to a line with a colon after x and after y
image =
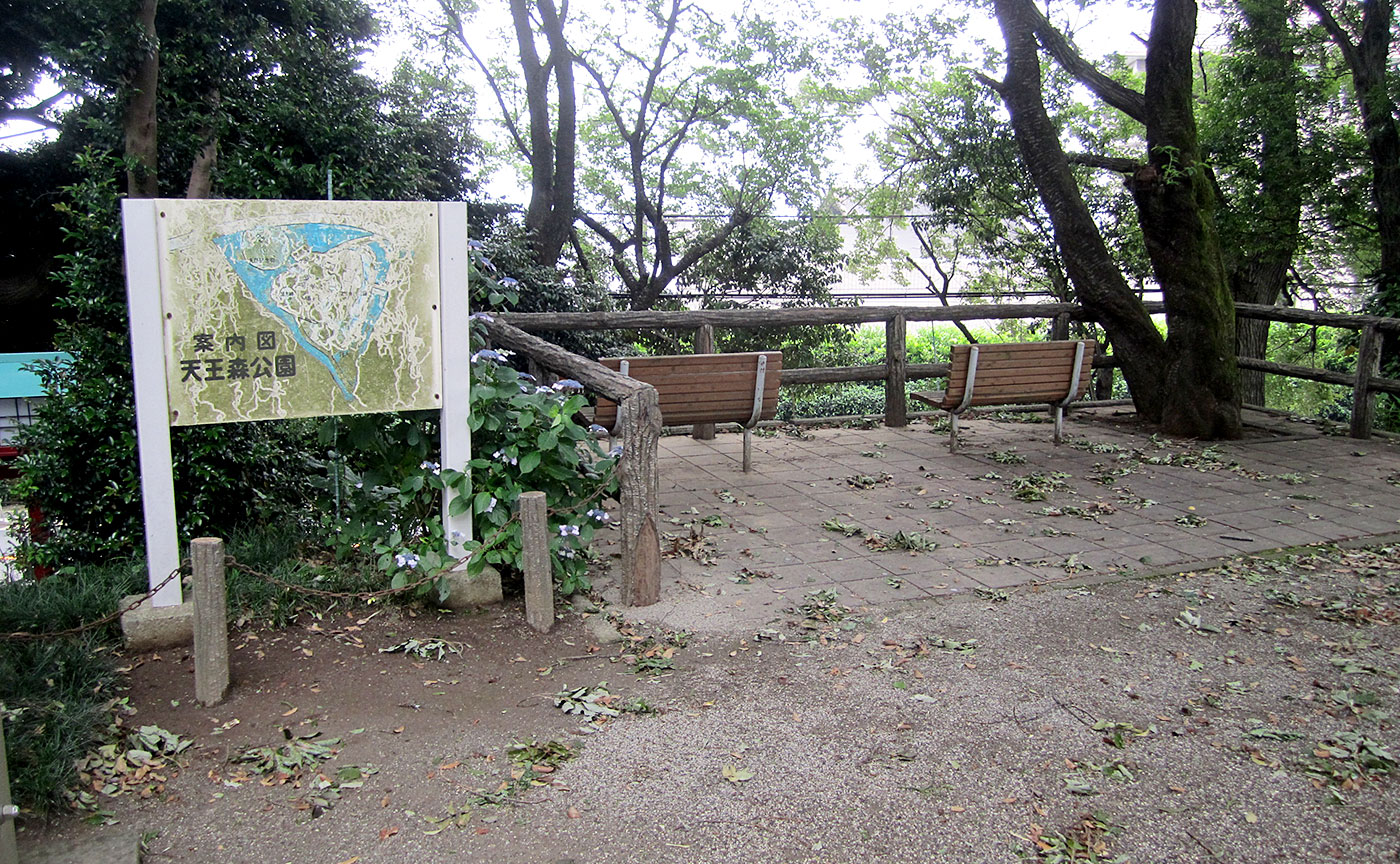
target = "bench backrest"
x: 701, y: 388
x: 1018, y: 373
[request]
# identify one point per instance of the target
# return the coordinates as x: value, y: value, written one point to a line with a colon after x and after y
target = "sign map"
x: 279, y: 309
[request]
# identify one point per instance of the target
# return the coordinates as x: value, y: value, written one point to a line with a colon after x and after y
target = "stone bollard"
x: 539, y: 576
x: 210, y: 621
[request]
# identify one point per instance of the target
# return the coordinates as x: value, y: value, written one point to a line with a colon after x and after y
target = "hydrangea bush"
x: 525, y: 437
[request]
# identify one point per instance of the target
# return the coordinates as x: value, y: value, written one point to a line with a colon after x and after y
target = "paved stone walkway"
x: 1118, y: 503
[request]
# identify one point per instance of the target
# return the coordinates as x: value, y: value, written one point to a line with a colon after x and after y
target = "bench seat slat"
x: 1023, y: 373
x: 705, y: 388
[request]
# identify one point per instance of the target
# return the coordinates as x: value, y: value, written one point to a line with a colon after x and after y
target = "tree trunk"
x: 1266, y: 223
x: 201, y: 183
x: 1097, y: 280
x: 1367, y: 59
x: 550, y: 214
x: 139, y: 122
x: 1176, y: 211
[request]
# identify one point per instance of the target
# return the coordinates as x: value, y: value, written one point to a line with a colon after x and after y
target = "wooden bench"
x: 1016, y: 373
x: 704, y: 388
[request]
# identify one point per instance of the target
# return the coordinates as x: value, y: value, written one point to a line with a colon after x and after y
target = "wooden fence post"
x: 539, y: 575
x: 897, y: 372
x: 704, y: 344
x: 639, y: 415
x: 1363, y: 400
x: 210, y: 621
x: 9, y: 850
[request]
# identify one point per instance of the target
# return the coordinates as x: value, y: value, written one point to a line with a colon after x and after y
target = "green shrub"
x: 53, y: 692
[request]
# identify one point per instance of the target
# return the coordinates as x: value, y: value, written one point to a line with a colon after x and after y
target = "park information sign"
x: 299, y: 309
x: 260, y: 310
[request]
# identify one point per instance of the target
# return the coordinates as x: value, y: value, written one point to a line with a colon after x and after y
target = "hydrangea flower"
x: 595, y: 429
x: 566, y: 552
x: 508, y: 282
x: 489, y: 354
x: 475, y: 244
x: 567, y: 384
x: 490, y: 505
x: 568, y: 530
x: 434, y: 467
x: 488, y: 264
x: 501, y: 455
x: 600, y: 514
x: 406, y: 559
x: 616, y: 451
x: 482, y: 316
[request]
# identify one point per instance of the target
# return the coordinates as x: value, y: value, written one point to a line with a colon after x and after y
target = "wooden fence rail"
x: 640, y: 417
x: 897, y: 371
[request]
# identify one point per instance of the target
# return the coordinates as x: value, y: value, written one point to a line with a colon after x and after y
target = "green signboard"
x: 277, y: 309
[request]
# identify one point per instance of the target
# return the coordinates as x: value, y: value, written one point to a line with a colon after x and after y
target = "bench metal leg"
x: 748, y: 449
x: 953, y: 434
x: 1059, y: 421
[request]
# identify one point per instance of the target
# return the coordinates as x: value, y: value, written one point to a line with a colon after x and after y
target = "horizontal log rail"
x: 1366, y: 382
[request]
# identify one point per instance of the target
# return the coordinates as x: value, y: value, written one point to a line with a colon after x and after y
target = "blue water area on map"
x: 260, y: 256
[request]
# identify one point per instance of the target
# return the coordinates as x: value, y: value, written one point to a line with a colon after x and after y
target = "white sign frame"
x: 145, y: 273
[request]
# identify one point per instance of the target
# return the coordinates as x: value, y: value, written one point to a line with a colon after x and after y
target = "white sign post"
x: 252, y: 310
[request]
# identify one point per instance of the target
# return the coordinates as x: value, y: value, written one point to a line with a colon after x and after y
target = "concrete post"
x: 210, y: 621
x: 1363, y: 399
x: 704, y: 344
x: 539, y: 577
x: 897, y: 373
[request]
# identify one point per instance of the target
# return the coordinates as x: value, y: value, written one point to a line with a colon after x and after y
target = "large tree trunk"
x: 1367, y: 60
x: 201, y: 183
x: 139, y: 122
x: 1266, y: 235
x: 549, y: 218
x: 1176, y: 210
x: 1097, y: 280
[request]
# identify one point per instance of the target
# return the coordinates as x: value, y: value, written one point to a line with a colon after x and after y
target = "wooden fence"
x: 640, y: 418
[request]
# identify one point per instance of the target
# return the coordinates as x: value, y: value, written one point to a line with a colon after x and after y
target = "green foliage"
x: 53, y: 695
x: 383, y: 474
x: 535, y: 443
x: 53, y: 692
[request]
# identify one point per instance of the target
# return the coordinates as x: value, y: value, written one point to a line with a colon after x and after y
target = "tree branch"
x: 1122, y: 97
x: 454, y: 27
x: 1111, y: 163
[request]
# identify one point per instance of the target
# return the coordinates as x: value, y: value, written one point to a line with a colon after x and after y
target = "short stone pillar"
x: 539, y: 575
x: 211, y: 676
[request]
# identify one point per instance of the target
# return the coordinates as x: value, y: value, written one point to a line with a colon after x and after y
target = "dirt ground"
x: 1240, y: 714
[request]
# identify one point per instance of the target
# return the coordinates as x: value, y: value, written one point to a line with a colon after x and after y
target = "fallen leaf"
x: 397, y: 730
x: 1250, y: 817
x: 386, y: 833
x: 735, y: 774
x: 573, y: 813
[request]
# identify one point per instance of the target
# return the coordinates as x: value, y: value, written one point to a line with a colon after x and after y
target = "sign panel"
x: 276, y: 309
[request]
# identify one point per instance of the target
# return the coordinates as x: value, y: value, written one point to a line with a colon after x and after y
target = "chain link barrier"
x: 430, y: 576
x: 22, y: 636
x: 231, y: 561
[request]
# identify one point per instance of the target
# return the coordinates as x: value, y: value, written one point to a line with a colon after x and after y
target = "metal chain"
x: 427, y: 577
x: 231, y: 561
x: 100, y: 622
